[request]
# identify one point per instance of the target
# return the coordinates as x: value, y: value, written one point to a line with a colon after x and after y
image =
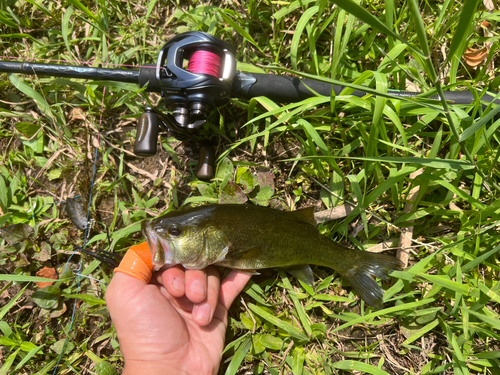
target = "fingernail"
x: 178, y: 284
x: 203, y: 313
x: 197, y: 287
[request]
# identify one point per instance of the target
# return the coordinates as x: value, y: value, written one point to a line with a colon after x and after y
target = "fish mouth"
x: 160, y: 248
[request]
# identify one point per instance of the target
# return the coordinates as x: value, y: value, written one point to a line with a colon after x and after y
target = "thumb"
x: 137, y: 263
x: 133, y: 273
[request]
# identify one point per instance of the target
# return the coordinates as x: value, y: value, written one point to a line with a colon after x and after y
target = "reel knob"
x: 146, y: 140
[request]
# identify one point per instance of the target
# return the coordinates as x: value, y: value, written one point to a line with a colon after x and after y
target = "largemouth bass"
x: 248, y: 237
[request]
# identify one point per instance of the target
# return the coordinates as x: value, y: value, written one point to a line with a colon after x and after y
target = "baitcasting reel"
x: 194, y: 74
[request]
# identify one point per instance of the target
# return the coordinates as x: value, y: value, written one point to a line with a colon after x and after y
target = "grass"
x: 423, y: 172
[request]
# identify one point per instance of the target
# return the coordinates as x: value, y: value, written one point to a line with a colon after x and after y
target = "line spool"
x: 205, y: 62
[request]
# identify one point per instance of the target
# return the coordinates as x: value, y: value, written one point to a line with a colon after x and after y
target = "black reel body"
x: 205, y: 83
x: 194, y: 74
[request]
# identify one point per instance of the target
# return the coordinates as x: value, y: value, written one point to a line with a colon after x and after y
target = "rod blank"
x: 68, y: 71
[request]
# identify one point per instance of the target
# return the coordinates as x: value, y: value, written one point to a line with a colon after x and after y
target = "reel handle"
x: 146, y: 140
x: 206, y: 162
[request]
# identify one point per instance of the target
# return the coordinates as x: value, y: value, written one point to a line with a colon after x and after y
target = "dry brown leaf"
x: 49, y: 273
x: 488, y: 4
x: 474, y: 57
x: 76, y: 114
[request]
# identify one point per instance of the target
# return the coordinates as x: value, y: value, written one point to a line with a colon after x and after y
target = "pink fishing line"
x: 205, y: 62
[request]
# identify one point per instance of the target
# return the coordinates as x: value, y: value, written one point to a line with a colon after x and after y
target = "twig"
x: 251, y: 316
x: 333, y: 214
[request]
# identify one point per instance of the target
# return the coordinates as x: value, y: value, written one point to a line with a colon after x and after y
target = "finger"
x: 196, y: 285
x: 232, y: 285
x: 204, y: 311
x: 180, y: 303
x: 172, y: 280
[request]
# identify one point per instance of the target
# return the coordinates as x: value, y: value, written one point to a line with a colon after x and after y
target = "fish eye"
x: 175, y: 230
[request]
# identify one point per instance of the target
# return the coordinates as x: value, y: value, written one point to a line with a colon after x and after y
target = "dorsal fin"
x: 305, y: 215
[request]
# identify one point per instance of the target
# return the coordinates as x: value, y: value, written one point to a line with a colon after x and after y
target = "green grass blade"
x: 28, y: 356
x: 492, y: 322
x: 239, y: 29
x: 83, y: 8
x: 298, y: 361
x: 304, y: 320
x: 66, y: 27
x: 91, y: 300
x: 239, y: 356
x: 461, y: 194
x: 363, y: 15
x: 289, y: 9
x: 459, y: 364
x: 366, y: 318
x: 422, y: 331
x: 4, y: 197
x: 24, y: 278
x: 477, y: 125
x: 287, y: 327
x: 5, y: 309
x: 359, y: 366
x: 9, y: 362
x: 447, y: 283
x: 311, y: 131
x: 30, y: 92
x: 151, y: 6
x: 462, y: 30
x: 297, y: 36
x: 419, y: 27
x: 480, y: 259
x: 41, y: 7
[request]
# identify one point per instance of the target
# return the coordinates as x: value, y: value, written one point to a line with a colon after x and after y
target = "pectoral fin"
x: 248, y: 272
x: 243, y: 259
x: 303, y: 273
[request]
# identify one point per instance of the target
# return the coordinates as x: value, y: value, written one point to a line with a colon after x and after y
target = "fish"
x: 248, y: 237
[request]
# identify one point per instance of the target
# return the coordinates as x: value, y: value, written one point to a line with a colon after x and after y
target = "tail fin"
x: 362, y: 276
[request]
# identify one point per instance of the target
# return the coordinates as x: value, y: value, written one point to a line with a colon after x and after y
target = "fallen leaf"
x: 232, y: 193
x: 474, y: 57
x: 16, y: 233
x: 61, y: 310
x: 265, y: 178
x: 49, y: 273
x: 488, y: 4
x: 44, y: 254
x: 76, y: 114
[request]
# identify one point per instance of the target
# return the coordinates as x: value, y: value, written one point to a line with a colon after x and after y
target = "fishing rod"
x: 195, y: 73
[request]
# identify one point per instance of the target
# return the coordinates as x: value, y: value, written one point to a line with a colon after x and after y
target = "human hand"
x: 177, y: 323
